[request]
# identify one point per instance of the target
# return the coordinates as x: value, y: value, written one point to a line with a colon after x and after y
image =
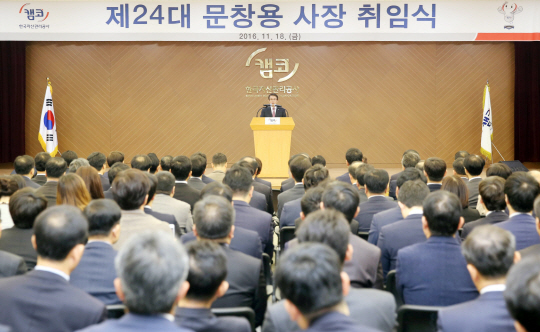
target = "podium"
x: 273, y: 145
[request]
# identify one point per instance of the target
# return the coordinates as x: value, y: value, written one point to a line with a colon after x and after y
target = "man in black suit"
x: 113, y: 158
x: 474, y: 165
x: 40, y: 160
x: 168, y: 218
x: 435, y: 171
x: 492, y: 200
x: 198, y: 166
x: 360, y: 180
x: 10, y: 264
x: 273, y: 110
x: 166, y: 163
x: 24, y: 206
x: 59, y: 236
x: 206, y: 277
x: 409, y: 159
x: 489, y: 252
x: 376, y: 185
x: 289, y: 183
x: 24, y: 165
x: 214, y: 217
x: 55, y: 168
x: 181, y: 169
x: 522, y: 294
x: 111, y: 174
x: 98, y: 160
x: 251, y: 164
x: 298, y: 167
x: 95, y: 273
x: 259, y: 169
x: 205, y: 179
x: 154, y: 163
x: 352, y: 155
x: 534, y: 249
x: 459, y: 169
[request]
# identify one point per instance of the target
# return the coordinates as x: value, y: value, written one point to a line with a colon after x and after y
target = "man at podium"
x: 273, y: 109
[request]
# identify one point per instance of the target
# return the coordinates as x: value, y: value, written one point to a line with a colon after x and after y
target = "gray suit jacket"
x: 181, y: 210
x: 136, y: 221
x: 17, y: 241
x: 287, y: 184
x: 217, y: 176
x: 290, y: 195
x: 40, y: 179
x: 49, y: 191
x: 473, y: 192
x: 11, y: 265
x: 30, y: 183
x: 196, y: 183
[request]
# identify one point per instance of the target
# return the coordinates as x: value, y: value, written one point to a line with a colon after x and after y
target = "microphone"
x: 259, y: 111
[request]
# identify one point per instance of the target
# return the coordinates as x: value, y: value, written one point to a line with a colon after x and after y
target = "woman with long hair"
x: 72, y: 190
x: 92, y: 180
x: 456, y: 185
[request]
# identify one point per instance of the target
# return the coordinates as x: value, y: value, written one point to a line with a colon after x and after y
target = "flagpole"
x: 497, y: 151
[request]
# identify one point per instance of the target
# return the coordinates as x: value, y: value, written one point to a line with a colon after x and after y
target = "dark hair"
x: 376, y: 181
x: 218, y: 189
x: 154, y: 162
x: 308, y: 275
x: 180, y: 167
x: 522, y: 293
x: 458, y: 167
x: 239, y: 179
x: 442, y: 210
x: 102, y: 215
x: 199, y: 153
x: 435, y: 168
x: 253, y: 164
x: 97, y: 160
x: 491, y: 190
x: 153, y: 185
x: 474, y: 164
x: 259, y: 165
x: 353, y: 154
x: 457, y: 186
x: 40, y: 160
x: 311, y: 201
x: 8, y: 186
x: 92, y: 180
x: 165, y: 182
x: 58, y: 230
x: 502, y: 170
x: 328, y: 227
x: 69, y: 156
x: 246, y: 164
x: 166, y: 163
x: 413, y: 193
x: 411, y: 150
x: 213, y: 217
x: 115, y: 157
x: 352, y: 168
x: 219, y: 159
x: 318, y: 159
x: 19, y: 179
x: 198, y: 165
x: 315, y: 175
x: 461, y: 154
x: 24, y: 207
x: 298, y: 167
x: 410, y: 159
x: 490, y: 249
x: 410, y: 174
x: 207, y: 269
x: 343, y: 197
x: 130, y: 188
x: 23, y: 164
x: 361, y: 172
x: 273, y: 94
x: 55, y: 167
x: 521, y: 189
x: 115, y: 169
x: 141, y: 162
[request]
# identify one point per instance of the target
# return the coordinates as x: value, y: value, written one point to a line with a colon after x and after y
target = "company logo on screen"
x: 33, y: 14
x: 509, y: 10
x: 269, y: 66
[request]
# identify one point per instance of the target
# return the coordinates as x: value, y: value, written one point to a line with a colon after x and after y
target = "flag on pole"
x: 47, y: 126
x: 487, y: 125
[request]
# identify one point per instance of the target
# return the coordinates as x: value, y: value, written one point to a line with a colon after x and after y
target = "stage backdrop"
x: 182, y: 97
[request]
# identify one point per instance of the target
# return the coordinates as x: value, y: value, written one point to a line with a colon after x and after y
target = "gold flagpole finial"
x: 49, y: 84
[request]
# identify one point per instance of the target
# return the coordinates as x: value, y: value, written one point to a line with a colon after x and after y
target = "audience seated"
x: 55, y: 168
x: 459, y: 169
x: 8, y: 186
x: 181, y: 169
x: 75, y: 164
x: 154, y: 163
x: 24, y: 166
x: 251, y: 164
x: 499, y: 169
x: 290, y: 183
x: 166, y: 163
x: 259, y: 169
x: 458, y: 187
x: 43, y: 299
x: 115, y: 157
x: 219, y: 165
x: 205, y: 179
x: 141, y: 162
x: 166, y: 217
x: 409, y: 159
x: 165, y: 203
x: 521, y: 189
x: 98, y: 160
x: 489, y: 252
x: 352, y: 155
x: 352, y: 172
x: 318, y: 160
x: 361, y: 171
x: 111, y: 174
x: 206, y: 277
x: 376, y: 183
x: 71, y: 190
x: 10, y: 264
x: 41, y: 160
x: 95, y: 273
x: 434, y: 272
x: 298, y: 166
x: 69, y: 156
x: 198, y: 166
x: 420, y: 165
x: 534, y: 249
x: 152, y: 270
x: 474, y: 165
x: 92, y: 180
x: 435, y: 171
x: 311, y: 202
x: 461, y: 154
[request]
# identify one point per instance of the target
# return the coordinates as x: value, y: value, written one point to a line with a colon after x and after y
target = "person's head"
x: 75, y: 164
x: 71, y: 190
x: 207, y: 271
x: 410, y: 174
x: 342, y: 197
x: 141, y: 162
x: 220, y: 160
x: 315, y: 175
x: 152, y: 268
x: 458, y: 167
x: 19, y: 179
x: 318, y: 160
x: 97, y: 160
x: 474, y: 165
x: 92, y: 181
x: 457, y: 186
x: 352, y: 155
x: 239, y: 179
x: 165, y: 183
x: 115, y: 169
x: 69, y: 156
x: 376, y: 181
x: 213, y: 218
x: 198, y: 165
x: 24, y: 206
x: 435, y: 169
x: 253, y: 164
x: 166, y: 163
x: 56, y: 167
x: 273, y: 98
x: 41, y: 159
x: 413, y: 194
x: 246, y: 164
x: 442, y: 214
x: 410, y: 159
x: 352, y: 170
x: 461, y: 154
x: 103, y: 217
x: 60, y: 233
x: 217, y: 189
x: 522, y: 294
x: 298, y: 167
x: 521, y: 190
x: 499, y: 169
x: 130, y: 189
x: 154, y: 162
x: 181, y: 168
x: 420, y: 165
x: 259, y: 165
x: 361, y: 172
x: 491, y: 191
x: 311, y: 201
x: 153, y: 186
x: 8, y: 186
x: 24, y: 165
x: 115, y: 157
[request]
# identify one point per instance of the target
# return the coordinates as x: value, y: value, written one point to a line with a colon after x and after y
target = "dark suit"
x: 49, y: 191
x: 258, y: 201
x: 267, y: 192
x: 17, y: 241
x: 206, y: 179
x: 267, y: 112
x: 267, y: 183
x: 486, y: 313
x: 168, y: 218
x: 364, y: 267
x: 492, y: 218
x: 40, y: 179
x: 473, y: 191
x: 247, y: 285
x: 375, y: 204
x: 368, y: 307
x: 30, y: 183
x: 44, y: 301
x: 203, y: 320
x: 523, y: 226
x: 335, y: 321
x: 434, y: 273
x: 259, y: 221
x: 393, y: 185
x: 434, y: 187
x: 244, y: 240
x: 382, y: 219
x: 11, y: 265
x: 287, y: 184
x: 470, y: 214
x: 344, y: 178
x: 290, y: 195
x: 105, y: 181
x: 133, y: 323
x: 108, y: 194
x: 291, y: 212
x: 196, y: 183
x: 362, y: 194
x: 186, y: 193
x: 95, y: 273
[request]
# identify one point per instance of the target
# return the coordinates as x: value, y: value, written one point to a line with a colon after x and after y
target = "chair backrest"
x: 245, y: 312
x: 115, y: 310
x: 391, y: 286
x: 267, y: 262
x: 285, y: 235
x: 417, y: 318
x: 363, y: 235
